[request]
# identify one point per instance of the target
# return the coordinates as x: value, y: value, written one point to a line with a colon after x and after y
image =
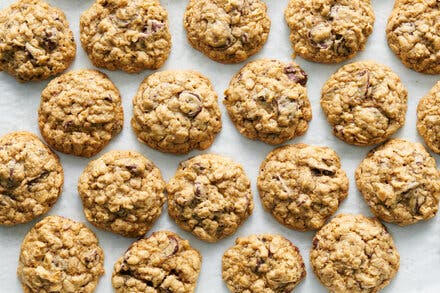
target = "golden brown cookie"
x: 31, y: 178
x: 80, y: 112
x: 428, y: 118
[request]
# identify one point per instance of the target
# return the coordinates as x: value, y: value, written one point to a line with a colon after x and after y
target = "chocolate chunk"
x: 190, y: 103
x: 296, y: 74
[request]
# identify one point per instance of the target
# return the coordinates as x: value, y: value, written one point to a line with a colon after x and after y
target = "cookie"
x: 130, y: 35
x: 227, y: 31
x: 262, y: 263
x: 176, y: 112
x: 36, y: 41
x: 163, y: 262
x: 413, y: 34
x: 400, y: 182
x: 210, y: 196
x: 354, y: 253
x: 267, y: 100
x: 122, y: 192
x: 31, y: 178
x: 329, y: 31
x: 60, y: 255
x: 428, y: 118
x: 302, y: 185
x: 80, y: 112
x: 365, y: 103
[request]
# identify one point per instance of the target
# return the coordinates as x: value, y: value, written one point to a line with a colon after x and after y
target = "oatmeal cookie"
x: 210, y: 196
x: 227, y: 31
x: 60, y: 255
x: 302, y: 185
x: 329, y: 31
x: 400, y: 182
x: 176, y: 112
x: 80, y: 112
x: 354, y: 253
x: 267, y: 100
x: 131, y: 35
x: 428, y: 118
x: 365, y: 103
x: 36, y: 41
x: 31, y: 178
x: 163, y: 262
x: 266, y: 263
x: 122, y: 192
x: 413, y: 33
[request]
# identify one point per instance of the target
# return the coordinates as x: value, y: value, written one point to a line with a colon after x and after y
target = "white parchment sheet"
x: 419, y: 244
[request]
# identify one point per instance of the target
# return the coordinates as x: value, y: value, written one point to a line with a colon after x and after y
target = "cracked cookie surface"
x: 163, y: 262
x: 122, y: 192
x: 365, y: 103
x: 60, y: 255
x: 176, y: 112
x: 262, y: 263
x: 80, y: 112
x: 267, y: 100
x: 302, y: 185
x: 413, y: 33
x: 428, y: 118
x: 227, y: 31
x: 353, y: 253
x: 31, y: 178
x: 400, y: 182
x: 131, y: 35
x: 329, y: 31
x: 35, y: 40
x: 210, y: 196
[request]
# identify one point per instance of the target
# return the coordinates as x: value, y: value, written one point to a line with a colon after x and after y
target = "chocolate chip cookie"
x: 354, y: 253
x: 428, y: 118
x: 365, y: 103
x: 176, y: 112
x: 122, y: 192
x: 128, y: 35
x: 31, y: 178
x: 400, y: 182
x: 413, y: 33
x: 267, y: 100
x: 302, y: 185
x: 227, y: 31
x: 60, y: 255
x: 210, y: 196
x: 329, y: 31
x: 262, y: 263
x: 80, y: 112
x: 35, y: 40
x: 163, y: 262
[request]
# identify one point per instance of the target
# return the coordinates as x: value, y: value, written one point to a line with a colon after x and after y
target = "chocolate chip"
x: 190, y: 103
x: 315, y: 243
x: 322, y: 172
x: 296, y: 74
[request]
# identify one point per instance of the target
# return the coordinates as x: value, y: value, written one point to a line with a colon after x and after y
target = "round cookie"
x: 131, y: 35
x: 210, y: 196
x: 176, y: 112
x: 329, y: 31
x: 400, y: 182
x: 262, y: 263
x: 31, y: 178
x: 122, y: 192
x: 35, y: 40
x: 365, y: 103
x: 60, y: 255
x: 353, y: 253
x: 267, y: 100
x: 428, y: 118
x: 227, y: 31
x: 80, y: 112
x: 413, y: 34
x: 163, y: 262
x: 302, y: 185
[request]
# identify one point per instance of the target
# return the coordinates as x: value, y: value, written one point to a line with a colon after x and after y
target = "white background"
x: 419, y: 244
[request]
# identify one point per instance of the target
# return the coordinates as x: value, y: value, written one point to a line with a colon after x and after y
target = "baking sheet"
x: 419, y: 244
